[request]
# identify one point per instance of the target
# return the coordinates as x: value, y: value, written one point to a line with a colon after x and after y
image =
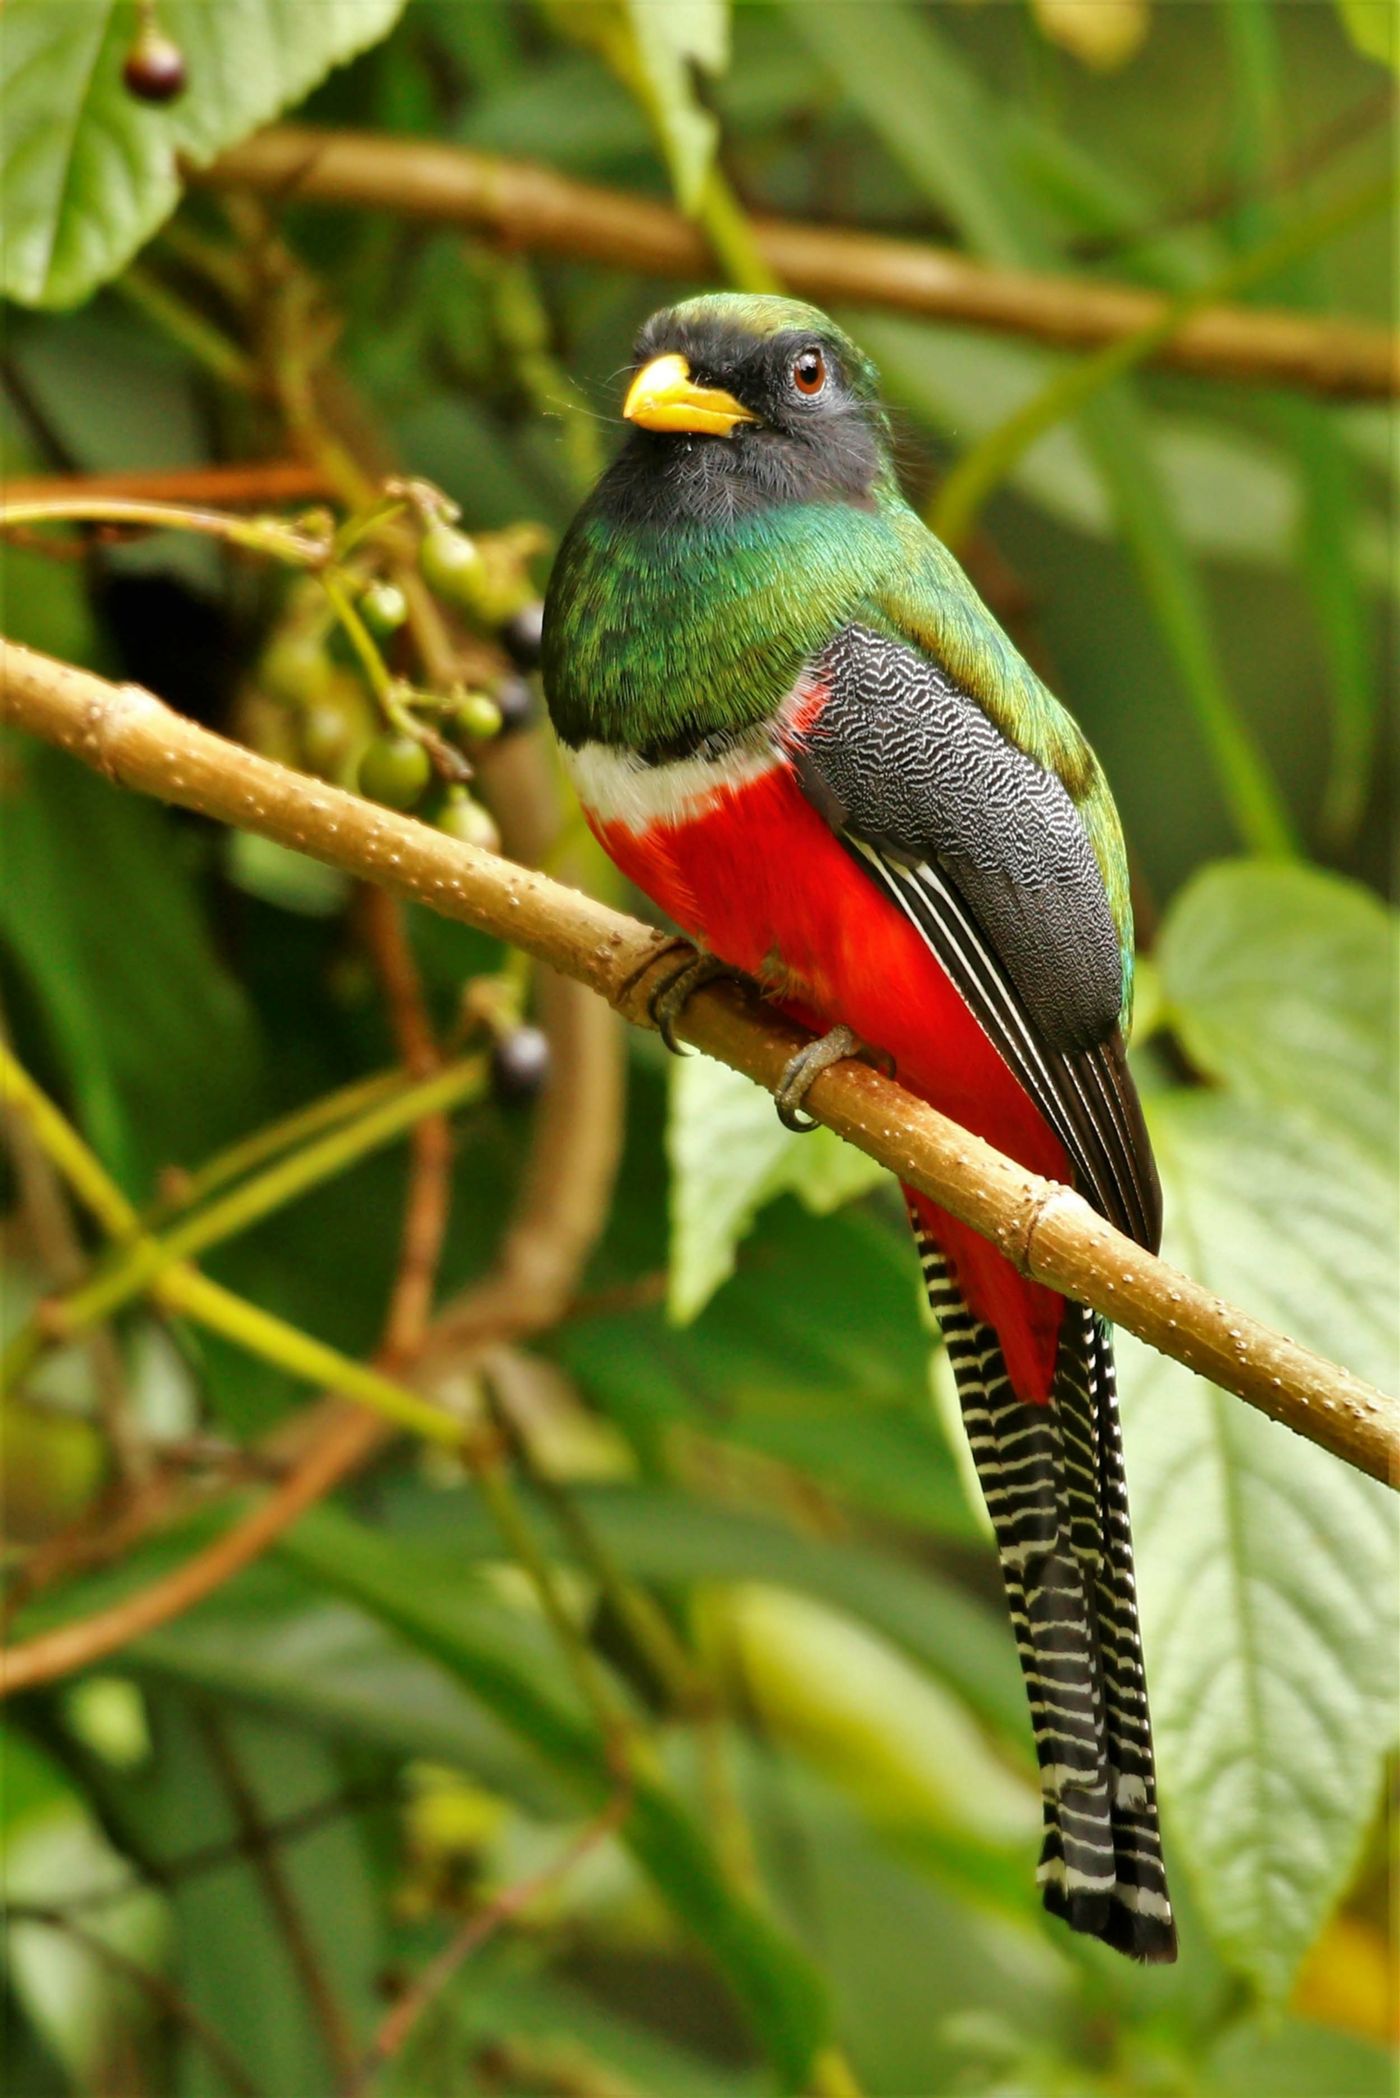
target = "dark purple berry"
x: 154, y: 68
x: 515, y: 703
x: 523, y: 633
x: 520, y: 1063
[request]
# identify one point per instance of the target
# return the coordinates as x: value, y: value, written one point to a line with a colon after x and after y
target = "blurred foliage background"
x: 724, y: 1535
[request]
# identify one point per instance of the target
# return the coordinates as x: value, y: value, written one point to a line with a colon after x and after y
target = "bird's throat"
x: 679, y: 640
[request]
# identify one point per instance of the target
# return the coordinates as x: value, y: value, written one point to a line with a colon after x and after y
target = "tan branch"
x: 235, y: 485
x: 532, y: 206
x: 1047, y: 1230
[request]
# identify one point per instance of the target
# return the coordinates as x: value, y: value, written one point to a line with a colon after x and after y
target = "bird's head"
x: 740, y: 401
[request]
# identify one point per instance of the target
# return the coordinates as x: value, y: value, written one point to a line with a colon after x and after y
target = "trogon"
x: 792, y: 722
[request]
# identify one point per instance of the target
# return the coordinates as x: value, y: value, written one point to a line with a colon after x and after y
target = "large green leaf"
x: 87, y: 173
x: 730, y: 1155
x: 1267, y: 1568
x: 1279, y: 981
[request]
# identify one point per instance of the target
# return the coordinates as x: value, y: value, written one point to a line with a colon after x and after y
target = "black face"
x: 818, y: 437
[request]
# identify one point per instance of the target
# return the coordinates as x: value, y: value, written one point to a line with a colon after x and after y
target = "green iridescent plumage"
x: 677, y: 627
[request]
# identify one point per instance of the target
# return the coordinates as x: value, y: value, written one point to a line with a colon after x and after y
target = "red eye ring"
x: 809, y: 373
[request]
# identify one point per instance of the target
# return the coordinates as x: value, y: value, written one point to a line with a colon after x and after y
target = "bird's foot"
x: 675, y: 990
x: 801, y: 1070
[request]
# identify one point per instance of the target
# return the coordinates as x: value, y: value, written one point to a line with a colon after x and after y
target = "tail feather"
x: 1052, y: 1477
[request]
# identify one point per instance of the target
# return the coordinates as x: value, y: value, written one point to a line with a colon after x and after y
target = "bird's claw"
x: 802, y: 1070
x: 671, y: 996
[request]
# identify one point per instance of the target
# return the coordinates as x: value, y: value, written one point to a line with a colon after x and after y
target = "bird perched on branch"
x: 792, y: 722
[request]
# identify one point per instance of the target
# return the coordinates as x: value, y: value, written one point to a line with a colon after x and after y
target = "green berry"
x: 324, y: 734
x: 451, y: 564
x: 384, y: 608
x: 476, y: 714
x: 295, y: 668
x: 467, y: 821
x: 395, y: 770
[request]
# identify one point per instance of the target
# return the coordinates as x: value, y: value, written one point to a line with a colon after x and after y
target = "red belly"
x: 763, y: 882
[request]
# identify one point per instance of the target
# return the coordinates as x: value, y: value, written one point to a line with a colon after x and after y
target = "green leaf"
x: 730, y: 1155
x: 673, y: 44
x: 1279, y: 982
x: 781, y: 1992
x: 87, y: 172
x: 254, y: 1644
x: 661, y: 53
x: 1267, y: 1568
x: 1294, y: 2058
x: 852, y: 1706
x: 1372, y: 28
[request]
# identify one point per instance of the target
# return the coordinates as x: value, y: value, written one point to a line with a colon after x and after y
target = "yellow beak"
x: 663, y: 397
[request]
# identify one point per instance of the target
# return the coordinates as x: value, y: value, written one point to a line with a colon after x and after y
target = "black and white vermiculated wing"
x: 984, y: 851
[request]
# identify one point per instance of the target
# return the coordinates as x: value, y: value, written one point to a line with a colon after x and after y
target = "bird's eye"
x: 809, y: 372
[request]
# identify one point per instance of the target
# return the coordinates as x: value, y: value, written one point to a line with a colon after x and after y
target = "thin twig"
x: 283, y: 1830
x: 160, y: 1261
x: 1049, y: 1232
x: 530, y: 206
x: 336, y: 2035
x: 349, y: 1436
x: 257, y: 535
x: 644, y: 1622
x: 429, y: 1195
x: 162, y: 1993
x: 504, y: 1908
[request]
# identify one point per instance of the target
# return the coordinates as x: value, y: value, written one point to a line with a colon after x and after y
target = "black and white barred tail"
x: 1052, y: 1477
